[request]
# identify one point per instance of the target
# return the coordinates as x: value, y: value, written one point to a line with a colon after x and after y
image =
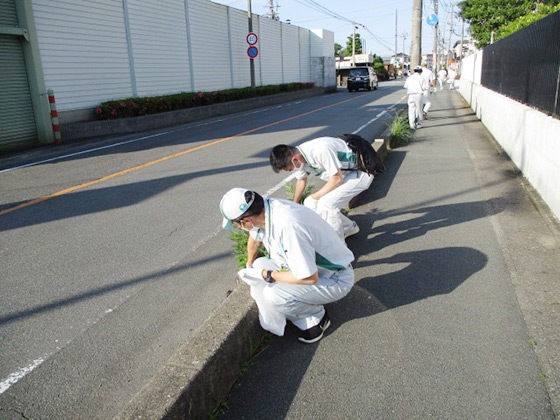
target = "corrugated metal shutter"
x: 17, y: 121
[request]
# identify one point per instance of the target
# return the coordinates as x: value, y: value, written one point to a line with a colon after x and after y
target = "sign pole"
x: 251, y: 60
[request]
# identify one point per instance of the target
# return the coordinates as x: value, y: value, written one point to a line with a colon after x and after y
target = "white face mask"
x: 253, y: 229
x: 296, y: 168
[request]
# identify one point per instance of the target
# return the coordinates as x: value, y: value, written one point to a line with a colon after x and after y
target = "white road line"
x: 376, y: 117
x: 83, y: 152
x: 16, y: 376
x: 279, y: 185
x: 144, y: 138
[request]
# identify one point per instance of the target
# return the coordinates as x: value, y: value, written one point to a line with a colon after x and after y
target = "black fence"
x: 526, y: 65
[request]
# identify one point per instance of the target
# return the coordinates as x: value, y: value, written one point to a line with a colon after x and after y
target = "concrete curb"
x: 84, y: 130
x: 201, y: 374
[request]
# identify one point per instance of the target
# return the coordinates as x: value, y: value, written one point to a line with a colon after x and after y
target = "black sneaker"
x: 314, y: 334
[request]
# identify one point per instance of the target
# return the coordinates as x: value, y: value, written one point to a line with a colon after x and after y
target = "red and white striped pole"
x: 54, y: 118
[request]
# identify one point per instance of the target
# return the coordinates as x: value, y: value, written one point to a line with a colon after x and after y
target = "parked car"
x: 361, y: 77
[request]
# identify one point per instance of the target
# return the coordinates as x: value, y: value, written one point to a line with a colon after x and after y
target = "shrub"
x: 133, y: 107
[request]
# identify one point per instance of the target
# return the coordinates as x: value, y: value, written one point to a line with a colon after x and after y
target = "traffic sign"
x: 252, y: 51
x: 432, y: 20
x: 252, y: 38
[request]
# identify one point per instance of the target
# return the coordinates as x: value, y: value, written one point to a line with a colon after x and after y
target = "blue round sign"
x: 432, y: 20
x: 252, y: 51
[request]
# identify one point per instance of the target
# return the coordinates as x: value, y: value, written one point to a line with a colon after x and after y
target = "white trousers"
x: 426, y: 101
x: 330, y: 204
x: 414, y: 109
x: 302, y: 304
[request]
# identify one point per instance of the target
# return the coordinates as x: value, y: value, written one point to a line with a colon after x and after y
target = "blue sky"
x: 378, y: 16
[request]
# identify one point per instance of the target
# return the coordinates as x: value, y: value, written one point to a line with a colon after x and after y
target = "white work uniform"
x: 451, y: 78
x: 442, y: 76
x: 324, y: 157
x: 298, y: 240
x: 428, y: 77
x: 415, y: 87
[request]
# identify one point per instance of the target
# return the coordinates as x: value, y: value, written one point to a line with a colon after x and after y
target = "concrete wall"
x: 529, y: 137
x: 97, y: 50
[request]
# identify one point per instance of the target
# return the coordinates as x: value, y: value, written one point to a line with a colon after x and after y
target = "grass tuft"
x: 400, y: 132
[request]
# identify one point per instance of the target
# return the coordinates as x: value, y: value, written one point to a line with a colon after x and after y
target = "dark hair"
x: 280, y: 156
x: 255, y: 209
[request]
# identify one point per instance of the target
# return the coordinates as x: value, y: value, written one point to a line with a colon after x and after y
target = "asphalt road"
x: 112, y: 251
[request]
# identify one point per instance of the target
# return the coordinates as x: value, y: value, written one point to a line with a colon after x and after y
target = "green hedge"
x: 133, y: 107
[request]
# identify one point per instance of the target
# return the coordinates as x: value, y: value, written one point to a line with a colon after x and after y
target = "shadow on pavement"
x: 276, y: 374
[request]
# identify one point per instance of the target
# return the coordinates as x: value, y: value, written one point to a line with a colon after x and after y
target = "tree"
x: 337, y: 49
x: 379, y: 67
x: 358, y: 49
x: 487, y: 16
x: 542, y: 11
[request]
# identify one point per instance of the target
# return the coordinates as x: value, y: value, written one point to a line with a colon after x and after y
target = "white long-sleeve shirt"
x: 415, y: 84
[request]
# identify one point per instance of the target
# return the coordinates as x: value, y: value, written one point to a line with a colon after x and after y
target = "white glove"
x: 251, y: 276
x: 310, y: 202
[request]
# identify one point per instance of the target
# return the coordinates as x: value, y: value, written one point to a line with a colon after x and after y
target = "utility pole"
x: 436, y: 27
x: 353, y: 44
x: 273, y: 14
x: 251, y: 60
x: 416, y: 35
x: 404, y: 35
x: 451, y: 30
x: 396, y: 33
x: 462, y: 36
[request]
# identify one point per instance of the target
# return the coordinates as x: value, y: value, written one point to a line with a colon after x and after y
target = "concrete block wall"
x: 530, y: 137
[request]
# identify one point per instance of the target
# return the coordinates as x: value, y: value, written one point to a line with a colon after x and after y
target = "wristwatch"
x: 268, y: 277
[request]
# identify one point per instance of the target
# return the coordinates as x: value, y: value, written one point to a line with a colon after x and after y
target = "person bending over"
x: 333, y: 161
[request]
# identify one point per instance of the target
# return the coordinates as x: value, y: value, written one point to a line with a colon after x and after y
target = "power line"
x: 319, y: 8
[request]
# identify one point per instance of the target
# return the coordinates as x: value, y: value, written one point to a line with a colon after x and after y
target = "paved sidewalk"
x: 456, y: 309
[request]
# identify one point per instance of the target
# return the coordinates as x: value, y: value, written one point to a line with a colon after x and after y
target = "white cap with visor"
x: 234, y: 204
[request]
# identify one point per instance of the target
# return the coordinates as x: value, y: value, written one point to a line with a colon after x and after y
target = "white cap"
x: 233, y: 205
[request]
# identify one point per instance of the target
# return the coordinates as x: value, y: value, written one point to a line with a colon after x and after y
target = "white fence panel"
x: 304, y: 55
x: 290, y: 53
x: 210, y: 45
x: 97, y: 50
x: 83, y: 51
x: 158, y: 35
x: 270, y: 51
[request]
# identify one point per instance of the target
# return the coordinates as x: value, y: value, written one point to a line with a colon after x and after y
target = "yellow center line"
x: 163, y: 159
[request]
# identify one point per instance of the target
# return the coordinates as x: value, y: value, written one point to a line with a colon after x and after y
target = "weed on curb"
x: 400, y: 132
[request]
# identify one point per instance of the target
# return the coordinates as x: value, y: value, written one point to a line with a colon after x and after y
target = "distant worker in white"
x: 332, y: 160
x: 415, y: 86
x: 452, y: 74
x: 430, y: 80
x: 309, y: 265
x: 442, y: 77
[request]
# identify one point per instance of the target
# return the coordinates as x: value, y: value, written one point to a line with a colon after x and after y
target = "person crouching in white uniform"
x: 415, y: 87
x: 333, y: 161
x: 308, y: 264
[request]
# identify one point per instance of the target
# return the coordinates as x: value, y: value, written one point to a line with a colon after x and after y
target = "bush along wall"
x: 133, y: 107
